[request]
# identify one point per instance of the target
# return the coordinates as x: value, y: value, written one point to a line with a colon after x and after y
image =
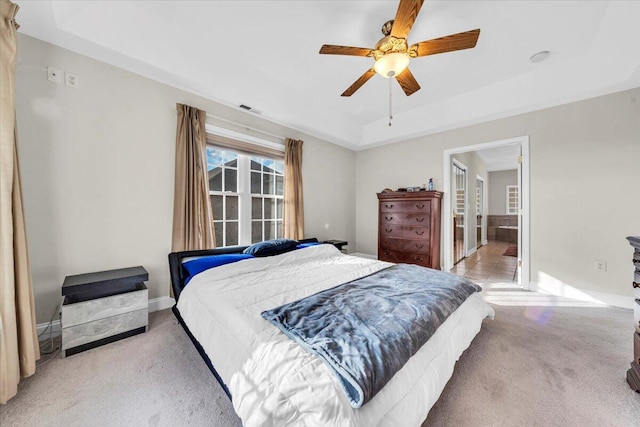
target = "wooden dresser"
x: 409, y: 227
x: 633, y: 374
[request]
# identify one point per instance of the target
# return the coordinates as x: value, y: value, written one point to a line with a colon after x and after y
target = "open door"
x: 518, y: 277
x: 479, y: 211
x: 459, y: 181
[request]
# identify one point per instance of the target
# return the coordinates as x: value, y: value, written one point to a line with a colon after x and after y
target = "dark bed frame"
x: 178, y: 276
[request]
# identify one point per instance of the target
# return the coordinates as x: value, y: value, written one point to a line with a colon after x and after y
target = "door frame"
x: 447, y: 244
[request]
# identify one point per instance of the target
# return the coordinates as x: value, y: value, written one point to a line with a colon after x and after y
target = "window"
x: 513, y: 200
x: 246, y: 196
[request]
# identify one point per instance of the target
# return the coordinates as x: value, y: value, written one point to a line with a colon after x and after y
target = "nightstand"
x: 337, y: 243
x: 103, y: 307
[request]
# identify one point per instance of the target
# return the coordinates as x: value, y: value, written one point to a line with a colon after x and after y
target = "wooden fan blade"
x: 459, y: 41
x: 408, y: 82
x: 329, y: 49
x: 405, y: 17
x: 358, y: 83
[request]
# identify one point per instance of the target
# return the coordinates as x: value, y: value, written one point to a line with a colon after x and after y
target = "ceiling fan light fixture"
x: 391, y: 64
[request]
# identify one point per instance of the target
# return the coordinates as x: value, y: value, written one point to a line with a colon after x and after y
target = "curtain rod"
x: 279, y: 137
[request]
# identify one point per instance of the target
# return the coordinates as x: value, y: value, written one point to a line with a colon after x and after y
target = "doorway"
x: 450, y: 254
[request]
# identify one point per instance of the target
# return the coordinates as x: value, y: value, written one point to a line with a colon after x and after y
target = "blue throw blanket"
x: 366, y: 330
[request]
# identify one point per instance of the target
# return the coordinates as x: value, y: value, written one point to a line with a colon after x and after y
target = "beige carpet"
x: 536, y: 364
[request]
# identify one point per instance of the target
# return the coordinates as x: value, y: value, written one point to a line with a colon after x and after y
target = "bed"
x: 270, y: 378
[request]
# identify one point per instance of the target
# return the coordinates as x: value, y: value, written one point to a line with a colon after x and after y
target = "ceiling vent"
x: 253, y: 110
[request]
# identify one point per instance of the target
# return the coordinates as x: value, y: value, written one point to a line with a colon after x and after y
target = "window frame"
x: 512, y: 191
x: 245, y: 196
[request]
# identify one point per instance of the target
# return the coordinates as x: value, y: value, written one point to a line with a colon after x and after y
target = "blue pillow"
x: 198, y: 265
x: 306, y: 245
x: 271, y: 247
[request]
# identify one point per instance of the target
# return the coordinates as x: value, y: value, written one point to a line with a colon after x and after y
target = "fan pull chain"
x: 390, y: 115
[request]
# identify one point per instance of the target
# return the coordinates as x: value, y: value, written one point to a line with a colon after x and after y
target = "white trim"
x: 361, y: 255
x: 485, y: 209
x: 56, y: 327
x: 161, y: 303
x: 217, y: 130
x: 567, y: 291
x: 447, y: 246
x: 155, y: 304
x: 472, y: 251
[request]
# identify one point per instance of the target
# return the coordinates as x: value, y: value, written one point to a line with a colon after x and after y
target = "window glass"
x: 246, y: 196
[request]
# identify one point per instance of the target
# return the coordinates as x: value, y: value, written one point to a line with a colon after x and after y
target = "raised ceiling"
x: 265, y: 54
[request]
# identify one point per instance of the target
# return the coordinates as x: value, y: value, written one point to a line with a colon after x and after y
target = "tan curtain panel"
x: 293, y: 214
x: 19, y: 347
x: 192, y: 215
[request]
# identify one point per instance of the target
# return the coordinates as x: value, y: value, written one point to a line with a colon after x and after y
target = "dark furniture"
x: 409, y: 227
x: 102, y: 307
x: 633, y: 374
x: 337, y: 243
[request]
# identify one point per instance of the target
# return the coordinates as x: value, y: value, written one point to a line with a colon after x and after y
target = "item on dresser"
x: 633, y: 374
x: 102, y: 307
x: 409, y: 227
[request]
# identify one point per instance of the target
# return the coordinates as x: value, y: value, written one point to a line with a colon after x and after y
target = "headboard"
x: 178, y: 273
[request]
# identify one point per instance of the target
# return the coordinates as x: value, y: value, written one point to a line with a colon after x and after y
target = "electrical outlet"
x: 54, y: 75
x: 71, y: 80
x: 600, y: 266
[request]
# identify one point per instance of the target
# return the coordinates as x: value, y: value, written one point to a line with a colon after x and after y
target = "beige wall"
x: 475, y: 167
x: 583, y: 179
x: 97, y: 165
x: 498, y: 182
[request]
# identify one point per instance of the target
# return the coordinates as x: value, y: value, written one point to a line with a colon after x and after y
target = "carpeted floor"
x: 539, y: 363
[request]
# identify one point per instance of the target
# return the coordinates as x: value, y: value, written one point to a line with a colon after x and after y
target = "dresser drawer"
x: 636, y: 259
x: 405, y: 257
x: 405, y: 245
x: 405, y: 218
x: 101, y: 308
x: 417, y: 206
x: 404, y: 231
x: 636, y: 314
x: 98, y: 329
x: 636, y: 348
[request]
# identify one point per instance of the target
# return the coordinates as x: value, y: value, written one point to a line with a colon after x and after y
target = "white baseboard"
x: 56, y: 329
x: 472, y: 251
x: 361, y: 255
x: 161, y: 303
x: 563, y: 290
x: 155, y: 304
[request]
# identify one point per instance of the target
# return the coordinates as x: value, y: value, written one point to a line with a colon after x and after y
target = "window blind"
x: 243, y: 147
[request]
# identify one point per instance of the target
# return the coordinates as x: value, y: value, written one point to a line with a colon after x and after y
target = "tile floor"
x: 488, y: 264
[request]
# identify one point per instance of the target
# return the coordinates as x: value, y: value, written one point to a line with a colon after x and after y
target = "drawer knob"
x: 388, y: 206
x: 419, y: 246
x: 420, y: 206
x: 388, y: 218
x: 420, y: 219
x: 636, y: 285
x: 419, y: 233
x: 388, y: 230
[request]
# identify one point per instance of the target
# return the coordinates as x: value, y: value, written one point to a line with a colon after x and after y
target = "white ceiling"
x: 265, y: 54
x: 500, y: 158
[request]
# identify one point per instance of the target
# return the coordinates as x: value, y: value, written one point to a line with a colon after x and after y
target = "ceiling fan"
x: 393, y: 53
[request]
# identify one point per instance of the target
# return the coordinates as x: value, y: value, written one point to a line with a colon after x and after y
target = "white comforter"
x: 272, y: 380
